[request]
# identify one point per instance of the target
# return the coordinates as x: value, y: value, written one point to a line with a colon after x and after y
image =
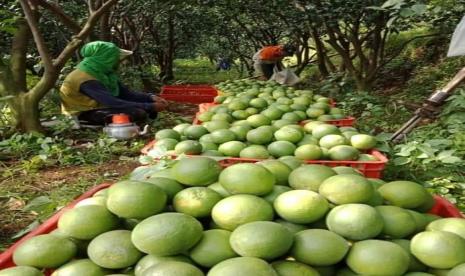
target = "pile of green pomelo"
x: 267, y: 121
x: 272, y: 218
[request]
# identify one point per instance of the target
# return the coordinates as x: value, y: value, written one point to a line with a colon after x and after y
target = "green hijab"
x: 100, y: 61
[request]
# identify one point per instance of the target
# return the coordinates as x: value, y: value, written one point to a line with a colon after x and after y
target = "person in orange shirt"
x: 265, y: 60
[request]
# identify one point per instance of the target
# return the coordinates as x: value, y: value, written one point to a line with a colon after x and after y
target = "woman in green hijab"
x: 93, y: 91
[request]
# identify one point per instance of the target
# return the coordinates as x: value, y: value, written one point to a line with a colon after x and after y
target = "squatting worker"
x: 93, y: 92
x: 270, y: 56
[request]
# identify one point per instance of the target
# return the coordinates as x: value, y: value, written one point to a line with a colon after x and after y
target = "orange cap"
x: 120, y: 118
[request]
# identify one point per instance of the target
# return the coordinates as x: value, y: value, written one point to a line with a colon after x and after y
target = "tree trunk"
x: 25, y: 113
x: 320, y: 54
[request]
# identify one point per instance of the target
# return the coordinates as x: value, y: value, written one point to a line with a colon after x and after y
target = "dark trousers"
x: 102, y: 116
x: 267, y: 70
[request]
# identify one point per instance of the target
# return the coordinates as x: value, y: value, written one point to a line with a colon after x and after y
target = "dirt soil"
x: 61, y: 185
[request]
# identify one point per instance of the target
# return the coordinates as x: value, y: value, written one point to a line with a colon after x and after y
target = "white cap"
x: 124, y: 53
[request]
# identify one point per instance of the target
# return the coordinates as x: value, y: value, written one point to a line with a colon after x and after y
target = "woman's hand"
x: 159, y: 103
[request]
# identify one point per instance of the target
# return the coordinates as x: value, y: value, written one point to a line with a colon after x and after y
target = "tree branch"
x: 38, y: 38
x: 85, y: 32
x: 62, y: 16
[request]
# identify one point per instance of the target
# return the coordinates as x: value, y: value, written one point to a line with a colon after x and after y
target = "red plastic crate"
x: 441, y: 208
x: 205, y: 106
x: 371, y: 169
x: 444, y: 208
x: 6, y: 257
x: 195, y: 94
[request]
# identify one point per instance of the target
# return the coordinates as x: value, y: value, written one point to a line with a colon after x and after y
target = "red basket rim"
x: 6, y: 257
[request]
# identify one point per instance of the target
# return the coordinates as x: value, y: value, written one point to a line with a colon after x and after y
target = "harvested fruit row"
x: 269, y: 218
x: 313, y: 141
x: 276, y: 102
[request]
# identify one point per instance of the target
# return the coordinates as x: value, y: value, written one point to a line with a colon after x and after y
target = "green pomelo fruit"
x: 321, y: 130
x: 173, y: 268
x: 113, y: 250
x: 398, y: 222
x: 99, y: 200
x: 133, y: 199
x: 291, y: 268
x: 367, y: 157
x: 236, y: 210
x: 301, y: 206
x: 258, y: 120
x: 205, y: 116
x: 309, y: 177
x: 260, y: 136
x: 377, y: 257
x: 415, y: 264
x: 167, y: 234
x: 188, y: 147
x: 87, y: 222
x: 167, y: 133
x: 240, y: 132
x: 363, y: 141
x: 273, y: 113
x: 456, y: 271
x: 180, y: 128
x: 346, y: 188
x: 309, y: 126
x: 254, y: 152
x: 213, y: 248
x: 279, y: 169
x: 221, y: 136
x: 277, y: 190
x: 243, y: 266
x: 196, y: 201
x: 343, y: 153
x: 198, y: 171
x: 223, y: 116
x: 80, y: 267
x: 151, y: 260
x: 232, y: 148
x: 194, y: 132
x: 21, y: 271
x: 291, y: 161
x: 44, y: 251
x: 332, y: 140
x: 291, y: 116
x: 219, y: 189
x: 325, y: 118
x: 237, y: 105
x: 405, y: 194
x: 453, y: 225
x: 166, y: 144
x: 216, y: 125
x: 438, y: 249
x: 262, y: 239
x: 288, y: 134
x: 308, y: 152
x: 355, y: 221
x: 318, y: 247
x: 281, y: 123
x: 259, y: 180
x: 420, y: 220
x: 206, y: 146
x: 314, y: 113
x: 281, y: 148
x: 346, y: 170
x: 293, y: 227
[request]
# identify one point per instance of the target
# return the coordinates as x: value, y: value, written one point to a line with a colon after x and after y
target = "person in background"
x: 93, y: 92
x: 223, y: 64
x: 269, y: 57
